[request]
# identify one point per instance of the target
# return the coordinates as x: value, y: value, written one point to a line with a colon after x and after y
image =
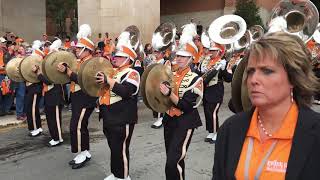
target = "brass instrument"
x: 87, y: 73
x: 150, y: 82
x: 227, y: 29
x: 50, y: 62
x: 256, y: 32
x: 13, y: 70
x: 300, y: 19
x: 26, y: 68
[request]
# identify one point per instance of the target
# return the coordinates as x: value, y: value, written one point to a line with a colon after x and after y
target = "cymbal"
x: 245, y: 100
x: 49, y: 66
x: 239, y: 92
x: 26, y: 68
x: 143, y: 84
x: 88, y: 71
x: 13, y: 71
x: 157, y: 101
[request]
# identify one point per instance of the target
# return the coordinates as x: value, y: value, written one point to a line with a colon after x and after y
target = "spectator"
x: 199, y: 28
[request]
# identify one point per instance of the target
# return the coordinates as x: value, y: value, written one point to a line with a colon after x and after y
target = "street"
x: 26, y: 158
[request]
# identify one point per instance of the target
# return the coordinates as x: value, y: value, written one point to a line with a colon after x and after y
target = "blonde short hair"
x: 291, y: 52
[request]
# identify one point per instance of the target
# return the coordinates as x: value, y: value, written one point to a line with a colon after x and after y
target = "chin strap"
x: 124, y: 62
x: 81, y: 52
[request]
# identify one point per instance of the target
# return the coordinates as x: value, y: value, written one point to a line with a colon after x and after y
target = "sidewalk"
x: 9, y: 120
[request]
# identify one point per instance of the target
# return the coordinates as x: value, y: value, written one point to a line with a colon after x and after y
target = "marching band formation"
x: 183, y: 72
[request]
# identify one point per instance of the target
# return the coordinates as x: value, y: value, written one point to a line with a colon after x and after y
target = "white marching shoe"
x: 128, y: 178
x: 36, y: 132
x: 110, y: 177
x: 157, y: 124
x: 80, y: 160
x: 53, y: 143
x: 211, y: 138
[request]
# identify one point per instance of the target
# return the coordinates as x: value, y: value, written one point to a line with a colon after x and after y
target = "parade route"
x: 26, y: 158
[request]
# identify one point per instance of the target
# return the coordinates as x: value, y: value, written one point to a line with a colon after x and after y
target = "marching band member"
x: 32, y: 98
x: 53, y: 101
x: 118, y: 108
x: 183, y: 117
x: 159, y: 59
x: 82, y: 104
x: 161, y: 53
x: 215, y: 72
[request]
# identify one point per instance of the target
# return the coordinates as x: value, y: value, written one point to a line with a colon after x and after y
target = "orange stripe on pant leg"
x: 124, y: 155
x: 79, y: 127
x: 184, y: 152
x: 214, y: 118
x: 58, y: 123
x: 34, y: 111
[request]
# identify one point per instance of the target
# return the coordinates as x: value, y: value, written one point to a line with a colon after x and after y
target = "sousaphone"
x: 49, y: 66
x: 88, y: 71
x: 164, y: 36
x: 13, y: 71
x: 26, y: 68
x: 256, y: 32
x: 227, y: 29
x: 298, y: 18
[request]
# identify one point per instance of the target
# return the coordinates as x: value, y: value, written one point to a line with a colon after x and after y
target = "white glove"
x: 223, y: 63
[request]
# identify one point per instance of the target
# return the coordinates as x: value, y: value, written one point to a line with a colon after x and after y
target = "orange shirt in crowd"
x: 2, y: 62
x: 276, y: 165
x: 67, y: 44
x: 108, y: 47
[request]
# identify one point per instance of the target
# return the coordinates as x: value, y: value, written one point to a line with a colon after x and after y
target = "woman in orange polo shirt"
x: 280, y: 137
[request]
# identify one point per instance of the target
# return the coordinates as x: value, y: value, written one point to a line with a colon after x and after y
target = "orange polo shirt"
x: 276, y: 165
x: 2, y: 62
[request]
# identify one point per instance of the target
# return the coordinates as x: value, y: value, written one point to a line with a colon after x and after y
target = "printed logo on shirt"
x: 277, y: 166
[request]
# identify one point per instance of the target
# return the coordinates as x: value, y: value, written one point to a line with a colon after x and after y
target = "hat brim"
x: 184, y: 53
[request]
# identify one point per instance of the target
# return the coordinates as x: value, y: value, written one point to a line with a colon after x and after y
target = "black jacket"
x: 80, y: 99
x: 304, y: 158
x: 190, y: 118
x: 214, y: 93
x: 124, y: 111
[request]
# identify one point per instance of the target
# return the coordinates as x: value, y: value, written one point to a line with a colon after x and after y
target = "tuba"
x: 300, y: 19
x: 164, y: 36
x: 227, y: 29
x: 256, y: 32
x: 231, y: 31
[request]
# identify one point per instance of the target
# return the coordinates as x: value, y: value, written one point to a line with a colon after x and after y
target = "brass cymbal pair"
x: 87, y: 75
x: 20, y: 69
x: 150, y: 87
